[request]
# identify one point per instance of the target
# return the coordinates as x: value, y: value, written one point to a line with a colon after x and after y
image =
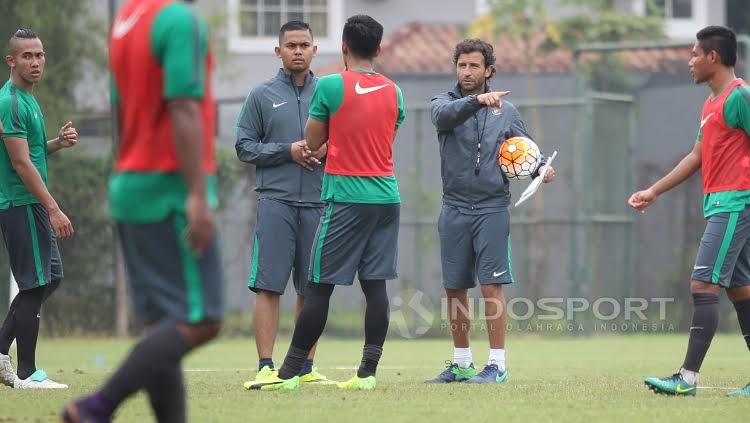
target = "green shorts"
x: 32, y: 246
x: 724, y: 253
x: 474, y: 247
x: 283, y: 240
x: 356, y: 239
x: 167, y: 281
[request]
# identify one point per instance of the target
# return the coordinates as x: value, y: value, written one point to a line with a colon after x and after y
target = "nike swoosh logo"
x: 704, y: 120
x: 122, y: 27
x: 359, y: 90
x: 679, y: 390
x: 700, y: 267
x: 496, y: 274
x: 279, y: 105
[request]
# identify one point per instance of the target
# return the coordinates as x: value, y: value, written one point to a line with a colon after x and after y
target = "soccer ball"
x: 518, y: 157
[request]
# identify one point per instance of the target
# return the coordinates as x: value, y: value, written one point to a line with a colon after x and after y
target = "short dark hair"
x: 20, y: 34
x: 294, y: 26
x: 362, y: 34
x: 475, y: 44
x: 720, y: 39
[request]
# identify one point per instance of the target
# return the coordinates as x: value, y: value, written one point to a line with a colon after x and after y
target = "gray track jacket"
x: 471, y: 176
x: 272, y: 118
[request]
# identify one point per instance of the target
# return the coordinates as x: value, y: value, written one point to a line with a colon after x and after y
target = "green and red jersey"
x: 159, y: 51
x: 363, y: 110
x: 22, y: 118
x: 725, y: 150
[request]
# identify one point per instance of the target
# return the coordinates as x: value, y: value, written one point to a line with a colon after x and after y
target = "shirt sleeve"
x: 179, y: 41
x: 14, y: 117
x: 249, y: 143
x: 401, y: 108
x: 518, y: 126
x: 327, y: 97
x: 737, y: 109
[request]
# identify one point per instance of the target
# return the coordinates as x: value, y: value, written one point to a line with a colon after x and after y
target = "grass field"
x: 551, y: 379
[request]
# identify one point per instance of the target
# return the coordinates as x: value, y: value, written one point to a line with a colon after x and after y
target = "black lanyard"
x: 479, y: 140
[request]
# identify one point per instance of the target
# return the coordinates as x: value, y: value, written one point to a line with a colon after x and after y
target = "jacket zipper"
x: 298, y: 94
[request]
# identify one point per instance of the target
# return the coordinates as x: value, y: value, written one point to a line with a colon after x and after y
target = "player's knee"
x: 738, y: 294
x: 200, y: 333
x: 455, y: 293
x: 700, y: 287
x: 317, y: 292
x: 267, y: 295
x: 212, y: 329
x: 32, y: 299
x: 375, y: 289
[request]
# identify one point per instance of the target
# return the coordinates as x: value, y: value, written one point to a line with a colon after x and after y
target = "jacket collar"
x: 287, y: 78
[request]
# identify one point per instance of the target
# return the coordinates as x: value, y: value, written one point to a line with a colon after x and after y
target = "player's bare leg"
x: 462, y: 367
x: 496, y: 317
x: 458, y: 313
x: 266, y: 322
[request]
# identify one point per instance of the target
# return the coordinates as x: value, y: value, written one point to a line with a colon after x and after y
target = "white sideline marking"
x: 253, y: 369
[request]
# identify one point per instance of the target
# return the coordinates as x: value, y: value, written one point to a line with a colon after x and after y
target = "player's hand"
x: 61, y: 225
x: 200, y: 217
x: 68, y: 136
x: 492, y: 99
x: 301, y: 154
x: 550, y: 175
x: 322, y: 151
x: 642, y: 199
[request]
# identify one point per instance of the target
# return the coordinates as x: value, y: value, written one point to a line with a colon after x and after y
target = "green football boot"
x: 672, y: 385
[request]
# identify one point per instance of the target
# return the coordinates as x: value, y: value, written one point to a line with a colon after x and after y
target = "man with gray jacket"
x: 472, y: 121
x: 270, y: 135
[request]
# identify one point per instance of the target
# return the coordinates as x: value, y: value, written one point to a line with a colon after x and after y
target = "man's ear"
x: 489, y: 71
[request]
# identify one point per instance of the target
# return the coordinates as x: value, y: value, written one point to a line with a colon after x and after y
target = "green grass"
x: 561, y: 379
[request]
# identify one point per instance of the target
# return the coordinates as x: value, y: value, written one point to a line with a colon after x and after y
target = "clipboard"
x: 534, y: 185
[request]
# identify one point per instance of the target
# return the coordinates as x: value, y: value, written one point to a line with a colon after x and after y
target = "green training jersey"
x: 22, y: 118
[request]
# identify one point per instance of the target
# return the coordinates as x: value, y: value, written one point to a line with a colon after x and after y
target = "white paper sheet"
x: 534, y: 185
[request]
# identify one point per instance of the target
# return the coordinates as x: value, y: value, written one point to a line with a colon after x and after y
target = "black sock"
x: 163, y: 347
x: 370, y: 358
x: 743, y: 316
x: 8, y: 329
x: 27, y: 330
x: 265, y: 362
x: 309, y: 327
x: 307, y: 367
x: 166, y: 393
x: 293, y: 362
x: 376, y: 325
x: 702, y: 329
